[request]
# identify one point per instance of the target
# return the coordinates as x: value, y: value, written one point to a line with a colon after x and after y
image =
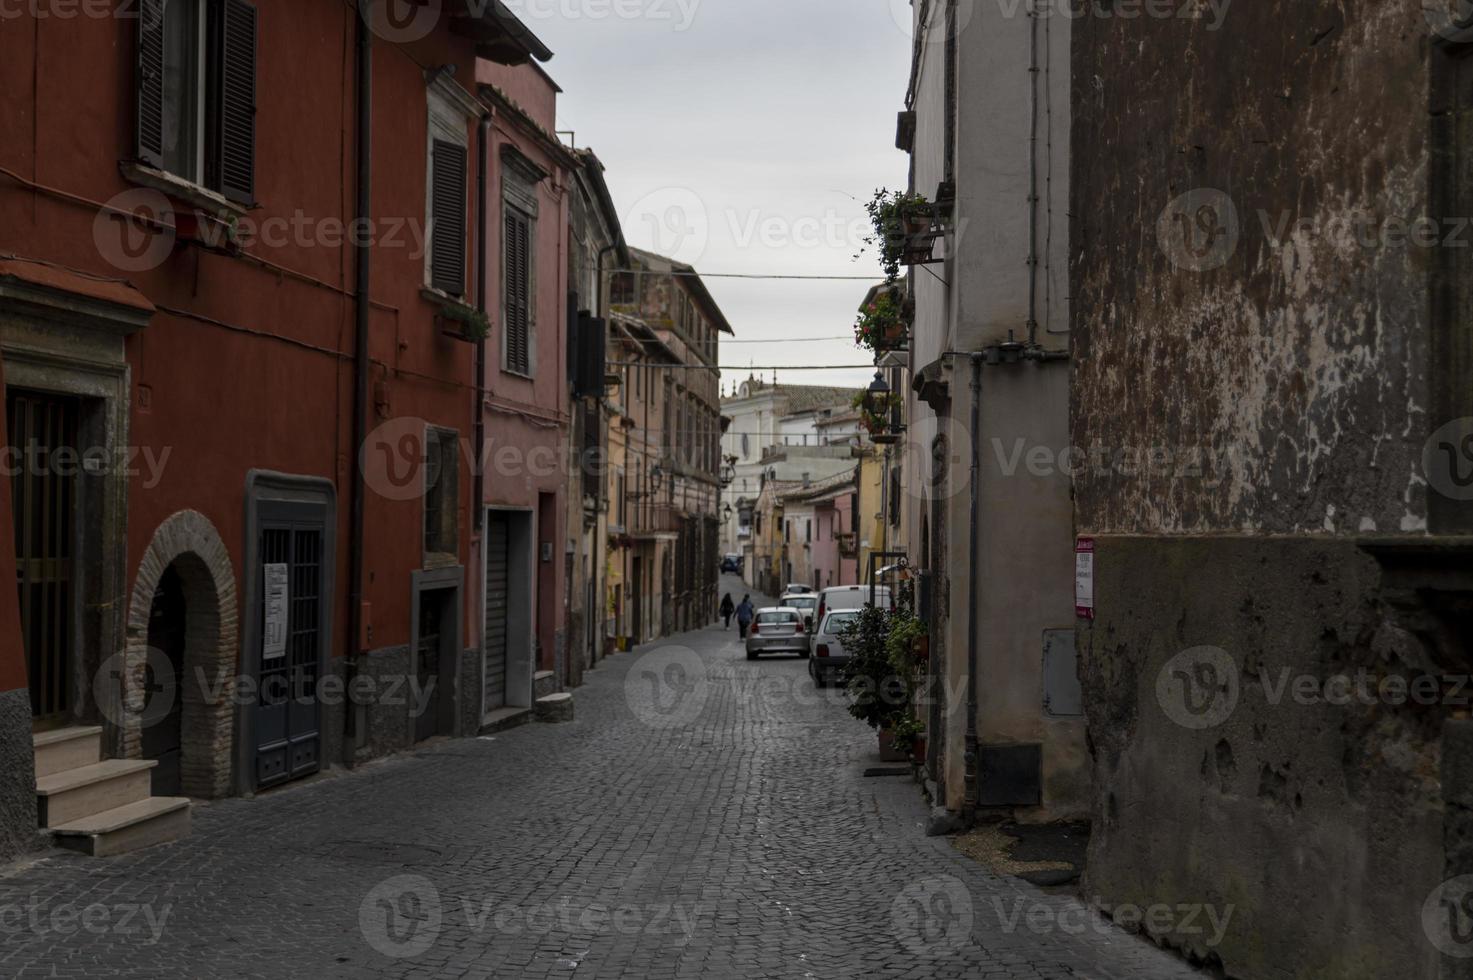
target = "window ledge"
x: 441, y: 298
x: 439, y: 559
x: 517, y: 374
x: 195, y: 195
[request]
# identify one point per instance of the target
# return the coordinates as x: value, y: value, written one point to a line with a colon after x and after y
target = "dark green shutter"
x: 447, y: 217
x: 517, y: 249
x: 235, y: 130
x: 150, y: 82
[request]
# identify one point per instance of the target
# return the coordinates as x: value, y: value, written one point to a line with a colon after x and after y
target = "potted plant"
x: 882, y: 323
x: 876, y: 694
x: 903, y: 222
x: 904, y: 630
x: 464, y: 322
x: 876, y: 415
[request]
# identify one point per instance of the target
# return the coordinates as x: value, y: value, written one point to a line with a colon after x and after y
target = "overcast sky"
x: 743, y: 136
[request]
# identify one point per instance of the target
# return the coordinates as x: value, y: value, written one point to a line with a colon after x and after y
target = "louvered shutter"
x: 447, y: 217
x: 517, y: 247
x: 235, y: 130
x: 150, y: 83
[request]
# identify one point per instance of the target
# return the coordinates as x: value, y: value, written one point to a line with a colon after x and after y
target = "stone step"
x: 503, y: 718
x: 66, y: 748
x: 555, y: 708
x: 145, y: 823
x: 544, y: 682
x: 68, y: 796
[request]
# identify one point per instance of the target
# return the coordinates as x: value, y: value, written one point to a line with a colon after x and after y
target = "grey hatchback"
x: 777, y: 629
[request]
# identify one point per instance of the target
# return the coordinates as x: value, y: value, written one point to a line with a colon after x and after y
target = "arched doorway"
x: 183, y: 654
x: 163, y: 708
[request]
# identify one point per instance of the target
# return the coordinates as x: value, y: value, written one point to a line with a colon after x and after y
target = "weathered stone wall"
x: 1276, y: 343
x: 1252, y: 393
x: 1224, y: 779
x: 18, y: 833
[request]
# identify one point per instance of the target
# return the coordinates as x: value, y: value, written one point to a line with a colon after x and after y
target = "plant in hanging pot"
x: 882, y: 323
x: 877, y: 414
x: 900, y: 219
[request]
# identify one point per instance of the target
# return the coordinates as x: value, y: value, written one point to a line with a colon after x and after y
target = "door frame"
x: 450, y: 581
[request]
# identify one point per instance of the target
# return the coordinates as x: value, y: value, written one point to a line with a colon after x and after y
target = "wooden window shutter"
x: 235, y: 127
x: 517, y: 247
x: 447, y: 217
x: 150, y: 83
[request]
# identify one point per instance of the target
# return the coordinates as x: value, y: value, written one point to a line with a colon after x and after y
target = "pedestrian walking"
x: 744, y: 615
x: 727, y: 608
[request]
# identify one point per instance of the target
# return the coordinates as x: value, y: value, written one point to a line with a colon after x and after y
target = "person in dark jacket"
x: 744, y: 614
x: 727, y: 608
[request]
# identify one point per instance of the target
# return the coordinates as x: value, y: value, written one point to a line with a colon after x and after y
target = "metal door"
x: 163, y: 736
x: 43, y: 502
x: 288, y: 716
x: 427, y: 664
x: 493, y: 647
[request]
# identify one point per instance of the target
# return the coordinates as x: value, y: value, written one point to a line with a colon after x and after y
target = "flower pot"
x: 920, y: 648
x: 888, y: 751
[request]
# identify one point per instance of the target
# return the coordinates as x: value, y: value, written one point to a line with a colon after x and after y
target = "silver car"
x: 829, y: 656
x: 777, y: 630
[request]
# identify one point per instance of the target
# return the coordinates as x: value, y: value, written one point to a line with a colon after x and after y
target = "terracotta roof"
x: 820, y: 487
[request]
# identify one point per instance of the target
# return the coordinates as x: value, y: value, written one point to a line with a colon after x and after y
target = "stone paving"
x: 703, y: 817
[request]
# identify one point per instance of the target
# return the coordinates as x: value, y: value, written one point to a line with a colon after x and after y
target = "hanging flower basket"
x: 882, y: 324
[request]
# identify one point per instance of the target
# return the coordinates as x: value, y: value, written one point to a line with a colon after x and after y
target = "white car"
x: 805, y: 603
x: 829, y: 656
x: 852, y: 597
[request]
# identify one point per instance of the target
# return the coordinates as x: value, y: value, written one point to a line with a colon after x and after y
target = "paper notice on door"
x: 1084, y: 578
x: 277, y: 594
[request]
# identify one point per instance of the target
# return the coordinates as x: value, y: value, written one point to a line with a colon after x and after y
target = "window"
x: 442, y: 486
x: 808, y: 534
x: 516, y: 247
x: 447, y: 217
x: 450, y: 111
x: 196, y: 93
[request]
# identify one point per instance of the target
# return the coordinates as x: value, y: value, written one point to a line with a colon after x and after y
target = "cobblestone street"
x: 704, y: 816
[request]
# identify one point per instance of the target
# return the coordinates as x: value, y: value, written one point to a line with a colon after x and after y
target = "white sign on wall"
x: 1084, y: 578
x: 277, y: 596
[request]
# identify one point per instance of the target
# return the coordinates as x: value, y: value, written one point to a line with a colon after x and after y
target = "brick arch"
x: 189, y: 543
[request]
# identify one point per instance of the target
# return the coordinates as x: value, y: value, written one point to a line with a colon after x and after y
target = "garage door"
x: 494, y: 645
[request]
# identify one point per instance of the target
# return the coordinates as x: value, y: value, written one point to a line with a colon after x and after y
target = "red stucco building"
x: 251, y: 258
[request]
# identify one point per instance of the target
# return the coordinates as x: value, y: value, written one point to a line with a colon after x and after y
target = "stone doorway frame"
x: 189, y: 543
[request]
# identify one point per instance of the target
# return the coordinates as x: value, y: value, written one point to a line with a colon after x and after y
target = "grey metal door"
x: 493, y: 648
x: 287, y: 716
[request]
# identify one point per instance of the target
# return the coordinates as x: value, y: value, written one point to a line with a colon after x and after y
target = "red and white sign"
x: 1084, y: 578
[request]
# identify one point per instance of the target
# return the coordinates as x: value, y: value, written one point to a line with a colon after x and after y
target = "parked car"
x: 829, y: 656
x: 798, y: 588
x: 777, y: 630
x: 852, y: 597
x: 731, y: 563
x: 807, y: 604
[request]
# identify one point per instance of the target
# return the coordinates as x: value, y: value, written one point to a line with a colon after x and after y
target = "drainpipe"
x: 972, y: 780
x: 478, y: 495
x: 599, y: 586
x: 353, y: 725
x: 1033, y: 71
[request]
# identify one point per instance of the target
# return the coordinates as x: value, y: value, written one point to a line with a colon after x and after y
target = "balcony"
x: 657, y: 521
